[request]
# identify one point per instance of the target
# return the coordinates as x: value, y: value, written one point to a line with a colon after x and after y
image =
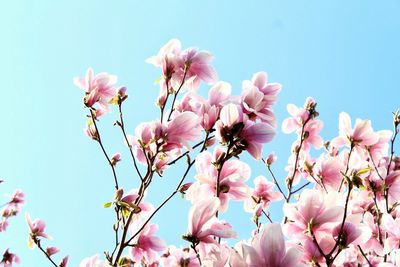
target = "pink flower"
x: 52, y: 250
x: 314, y: 211
x: 361, y: 135
x: 36, y: 229
x: 9, y: 258
x: 146, y: 245
x: 181, y: 129
x: 198, y: 64
x: 268, y: 249
x: 304, y: 117
x: 242, y: 134
x: 258, y: 98
x: 130, y: 199
x: 93, y: 262
x: 115, y: 158
x: 99, y: 88
x: 64, y: 262
x: 17, y: 198
x: 328, y: 172
x: 255, y: 135
x: 262, y: 194
x: 3, y: 225
x: 271, y: 159
x: 232, y: 178
x: 174, y: 63
x: 270, y: 90
x: 204, y: 226
x: 179, y: 257
x: 350, y: 234
x: 219, y: 94
x: 90, y: 130
x: 372, y: 244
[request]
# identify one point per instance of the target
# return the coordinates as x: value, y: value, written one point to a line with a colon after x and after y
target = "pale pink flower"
x: 268, y: 249
x: 380, y: 148
x: 373, y: 243
x: 52, y: 250
x: 327, y: 171
x: 231, y: 114
x: 361, y: 135
x: 130, y: 199
x: 243, y: 134
x: 3, y: 225
x: 232, y: 178
x: 93, y: 261
x: 36, y: 229
x: 258, y: 97
x: 99, y: 88
x: 350, y: 233
x: 198, y: 64
x: 270, y: 90
x: 255, y: 135
x: 146, y: 245
x: 301, y: 117
x: 314, y: 210
x: 8, y: 259
x: 204, y: 226
x: 262, y: 193
x: 181, y: 129
x: 179, y: 257
x: 90, y: 130
x: 219, y: 94
x: 17, y: 198
x: 64, y: 262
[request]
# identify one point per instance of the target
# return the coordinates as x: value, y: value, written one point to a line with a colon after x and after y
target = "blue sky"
x: 343, y: 53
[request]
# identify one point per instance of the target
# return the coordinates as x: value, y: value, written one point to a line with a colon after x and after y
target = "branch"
x: 103, y: 149
x: 122, y: 125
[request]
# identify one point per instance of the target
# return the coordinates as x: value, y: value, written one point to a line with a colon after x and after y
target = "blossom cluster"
x: 10, y: 209
x: 340, y: 197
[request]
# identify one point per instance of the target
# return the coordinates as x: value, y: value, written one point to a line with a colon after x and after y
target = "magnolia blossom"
x: 361, y: 135
x: 36, y: 229
x: 236, y: 129
x: 93, y: 261
x: 146, y: 245
x: 262, y: 194
x: 231, y: 177
x: 313, y: 212
x: 179, y: 257
x: 345, y: 213
x: 99, y: 88
x: 204, y: 226
x: 268, y: 249
x: 258, y: 97
x: 187, y: 67
x: 8, y: 259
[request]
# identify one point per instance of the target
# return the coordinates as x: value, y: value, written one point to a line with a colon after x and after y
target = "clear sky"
x: 343, y: 53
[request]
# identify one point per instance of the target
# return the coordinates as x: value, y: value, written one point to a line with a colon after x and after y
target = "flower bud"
x: 115, y: 158
x: 270, y: 159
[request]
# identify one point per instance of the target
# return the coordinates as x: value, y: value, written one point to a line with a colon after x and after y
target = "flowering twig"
x: 122, y: 126
x: 98, y: 139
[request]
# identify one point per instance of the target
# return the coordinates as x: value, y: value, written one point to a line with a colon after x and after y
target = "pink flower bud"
x: 52, y: 250
x: 271, y: 159
x: 115, y: 158
x: 64, y: 262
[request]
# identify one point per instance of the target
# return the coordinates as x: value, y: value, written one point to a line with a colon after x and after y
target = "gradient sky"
x: 344, y: 53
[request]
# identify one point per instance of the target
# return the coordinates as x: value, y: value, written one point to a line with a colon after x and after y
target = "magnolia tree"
x: 340, y: 208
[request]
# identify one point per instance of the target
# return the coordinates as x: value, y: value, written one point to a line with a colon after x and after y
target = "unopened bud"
x: 115, y: 158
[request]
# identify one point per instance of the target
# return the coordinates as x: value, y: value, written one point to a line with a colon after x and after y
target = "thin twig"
x: 103, y: 149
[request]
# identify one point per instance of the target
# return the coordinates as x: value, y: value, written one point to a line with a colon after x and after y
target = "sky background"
x: 344, y: 53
